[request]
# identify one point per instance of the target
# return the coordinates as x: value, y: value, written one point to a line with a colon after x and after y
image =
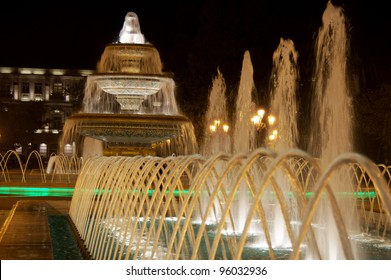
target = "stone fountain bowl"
x: 130, y: 84
x: 130, y: 129
x: 130, y: 58
x: 130, y: 89
x: 130, y: 50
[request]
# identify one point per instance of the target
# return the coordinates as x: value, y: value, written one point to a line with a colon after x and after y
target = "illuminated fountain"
x: 332, y: 111
x: 283, y: 96
x: 186, y: 206
x: 147, y: 210
x: 129, y: 104
x: 244, y: 133
x: 217, y: 137
x: 33, y: 170
x: 283, y: 134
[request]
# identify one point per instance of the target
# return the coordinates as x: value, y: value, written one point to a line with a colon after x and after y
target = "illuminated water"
x: 332, y: 105
x: 370, y: 246
x: 124, y: 211
x: 253, y: 203
x: 253, y: 200
x: 284, y: 80
x: 63, y: 240
x: 332, y: 111
x: 216, y: 139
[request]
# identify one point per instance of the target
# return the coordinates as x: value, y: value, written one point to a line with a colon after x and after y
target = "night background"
x: 195, y: 38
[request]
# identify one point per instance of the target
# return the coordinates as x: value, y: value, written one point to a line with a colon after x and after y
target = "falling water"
x: 332, y: 109
x: 283, y: 95
x: 143, y: 207
x: 216, y: 139
x: 129, y: 80
x: 283, y: 105
x: 244, y: 132
x: 243, y: 136
x: 131, y: 56
x: 332, y: 105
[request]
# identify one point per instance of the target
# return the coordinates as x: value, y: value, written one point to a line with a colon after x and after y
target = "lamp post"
x: 259, y: 123
x: 257, y: 120
x: 218, y: 127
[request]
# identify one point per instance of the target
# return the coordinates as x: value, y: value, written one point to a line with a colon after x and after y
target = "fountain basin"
x: 130, y: 58
x: 130, y: 128
x: 136, y: 133
x: 130, y: 89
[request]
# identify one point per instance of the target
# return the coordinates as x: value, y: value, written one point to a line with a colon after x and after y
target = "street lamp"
x: 273, y: 135
x: 258, y: 122
x: 216, y: 126
x: 271, y: 119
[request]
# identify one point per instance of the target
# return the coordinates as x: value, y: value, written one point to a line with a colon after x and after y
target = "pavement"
x: 25, y: 233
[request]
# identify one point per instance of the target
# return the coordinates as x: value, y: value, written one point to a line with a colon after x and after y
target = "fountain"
x: 186, y: 206
x: 283, y: 96
x: 156, y: 207
x: 244, y: 131
x: 216, y: 135
x: 129, y: 104
x: 253, y: 203
x: 332, y: 111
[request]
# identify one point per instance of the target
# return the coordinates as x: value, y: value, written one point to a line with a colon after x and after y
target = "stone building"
x: 34, y: 104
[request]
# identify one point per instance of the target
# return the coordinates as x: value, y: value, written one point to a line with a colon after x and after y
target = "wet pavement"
x: 25, y: 233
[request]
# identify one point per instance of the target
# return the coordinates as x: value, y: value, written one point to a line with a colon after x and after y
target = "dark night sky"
x: 74, y: 36
x: 194, y: 38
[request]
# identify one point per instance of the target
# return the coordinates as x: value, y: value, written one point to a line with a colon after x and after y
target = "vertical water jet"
x: 216, y: 132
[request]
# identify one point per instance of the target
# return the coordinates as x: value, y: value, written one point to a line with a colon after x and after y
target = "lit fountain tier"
x: 130, y: 73
x: 131, y: 70
x: 130, y: 90
x: 130, y: 134
x: 129, y: 104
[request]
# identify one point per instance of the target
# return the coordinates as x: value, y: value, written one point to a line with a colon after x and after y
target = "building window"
x: 25, y: 88
x: 5, y: 89
x: 38, y: 88
x: 57, y: 88
x: 57, y: 93
x: 25, y: 96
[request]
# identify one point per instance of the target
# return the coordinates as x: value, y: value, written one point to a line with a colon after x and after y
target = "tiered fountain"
x: 250, y: 204
x: 129, y: 105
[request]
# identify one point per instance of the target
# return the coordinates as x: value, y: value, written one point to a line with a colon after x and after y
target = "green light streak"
x: 359, y: 195
x: 36, y: 191
x: 177, y: 193
x: 58, y: 192
x: 68, y: 192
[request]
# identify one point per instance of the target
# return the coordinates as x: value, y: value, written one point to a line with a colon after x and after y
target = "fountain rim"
x: 124, y: 117
x: 118, y: 75
x: 136, y: 130
x: 147, y: 45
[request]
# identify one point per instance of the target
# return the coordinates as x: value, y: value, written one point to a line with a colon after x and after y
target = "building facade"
x: 34, y: 104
